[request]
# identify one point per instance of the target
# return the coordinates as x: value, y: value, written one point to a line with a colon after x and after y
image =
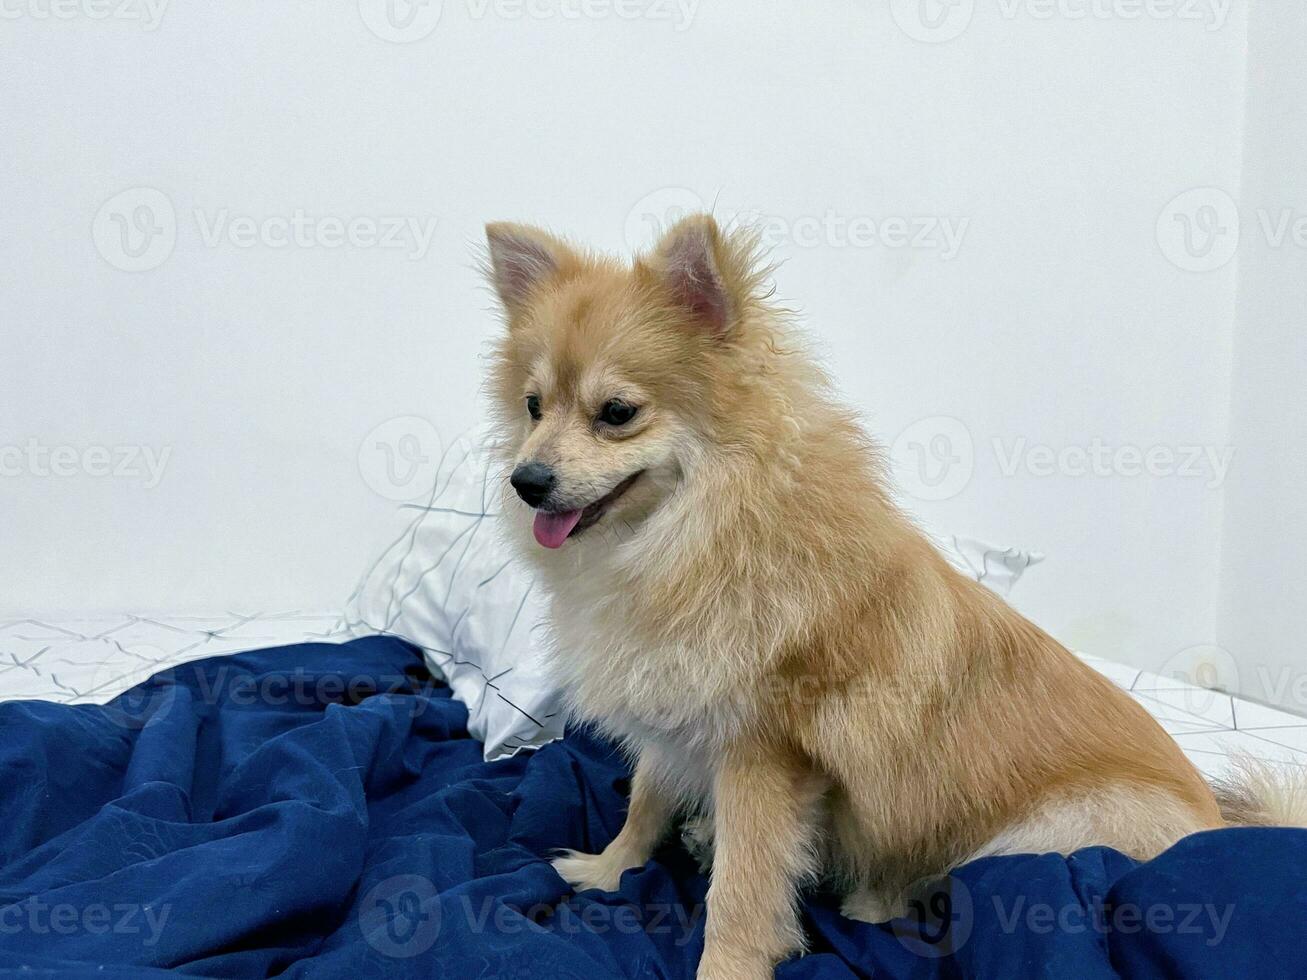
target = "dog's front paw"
x: 698, y: 838
x: 582, y: 871
x: 869, y: 905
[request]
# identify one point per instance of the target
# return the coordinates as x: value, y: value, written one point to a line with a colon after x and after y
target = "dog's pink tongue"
x: 552, y: 528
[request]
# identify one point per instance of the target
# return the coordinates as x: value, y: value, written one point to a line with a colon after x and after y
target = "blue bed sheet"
x: 320, y: 811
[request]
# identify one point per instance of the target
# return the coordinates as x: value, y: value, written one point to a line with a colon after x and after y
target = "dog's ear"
x: 521, y: 259
x: 688, y: 264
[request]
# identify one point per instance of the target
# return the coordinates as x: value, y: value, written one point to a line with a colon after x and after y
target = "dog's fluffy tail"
x: 1258, y: 794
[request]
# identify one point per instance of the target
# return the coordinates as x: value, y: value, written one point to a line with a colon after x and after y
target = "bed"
x: 314, y: 806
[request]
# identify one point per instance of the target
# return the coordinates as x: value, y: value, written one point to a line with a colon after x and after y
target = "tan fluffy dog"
x: 735, y: 597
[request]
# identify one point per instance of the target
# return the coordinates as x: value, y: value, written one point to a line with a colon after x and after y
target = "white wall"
x: 263, y: 370
x: 1263, y: 570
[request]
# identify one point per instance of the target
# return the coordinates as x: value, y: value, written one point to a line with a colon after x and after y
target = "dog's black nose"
x: 533, y: 481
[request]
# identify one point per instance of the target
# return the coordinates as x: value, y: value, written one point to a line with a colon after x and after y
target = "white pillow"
x: 998, y: 568
x: 450, y: 585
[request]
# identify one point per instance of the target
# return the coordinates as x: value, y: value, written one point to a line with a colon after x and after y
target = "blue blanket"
x: 319, y: 810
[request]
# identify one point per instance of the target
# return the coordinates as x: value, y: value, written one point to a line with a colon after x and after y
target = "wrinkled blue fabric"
x: 320, y: 811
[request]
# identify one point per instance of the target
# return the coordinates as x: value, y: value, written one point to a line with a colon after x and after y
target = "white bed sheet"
x: 78, y: 660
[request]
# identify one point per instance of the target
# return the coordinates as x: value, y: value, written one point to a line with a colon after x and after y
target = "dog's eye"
x: 616, y: 412
x: 533, y: 406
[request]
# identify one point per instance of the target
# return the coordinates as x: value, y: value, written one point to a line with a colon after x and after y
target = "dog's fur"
x: 787, y: 659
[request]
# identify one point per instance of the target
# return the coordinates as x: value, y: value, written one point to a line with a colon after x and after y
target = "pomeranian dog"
x: 736, y: 599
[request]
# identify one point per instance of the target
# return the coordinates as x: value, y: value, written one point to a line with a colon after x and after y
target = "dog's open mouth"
x: 553, y: 527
